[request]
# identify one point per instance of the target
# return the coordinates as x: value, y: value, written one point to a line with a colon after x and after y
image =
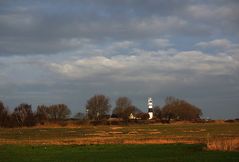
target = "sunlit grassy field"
x: 114, y: 153
x: 154, y: 133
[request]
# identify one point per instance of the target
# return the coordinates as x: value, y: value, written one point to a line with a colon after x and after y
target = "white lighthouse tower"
x: 150, y: 108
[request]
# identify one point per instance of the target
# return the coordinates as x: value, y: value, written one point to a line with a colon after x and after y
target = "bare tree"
x: 41, y: 114
x: 98, y: 107
x: 4, y: 116
x: 157, y: 112
x: 23, y: 115
x: 58, y: 112
x: 180, y: 109
x: 124, y: 108
x: 131, y: 110
x: 121, y: 104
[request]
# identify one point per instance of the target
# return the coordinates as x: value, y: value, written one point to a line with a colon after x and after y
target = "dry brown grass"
x: 223, y: 143
x: 158, y: 141
x: 115, y: 132
x: 153, y: 132
x: 194, y: 131
x: 116, y: 127
x: 68, y: 141
x: 216, y: 143
x: 97, y: 140
x: 222, y: 136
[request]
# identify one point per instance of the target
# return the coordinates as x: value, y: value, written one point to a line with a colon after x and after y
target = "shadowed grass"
x: 114, y: 153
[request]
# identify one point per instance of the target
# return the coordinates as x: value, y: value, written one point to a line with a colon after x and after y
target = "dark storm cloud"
x: 30, y: 27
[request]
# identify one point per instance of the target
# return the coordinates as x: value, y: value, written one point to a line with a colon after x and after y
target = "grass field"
x: 114, y: 153
x: 131, y: 134
x: 149, y: 142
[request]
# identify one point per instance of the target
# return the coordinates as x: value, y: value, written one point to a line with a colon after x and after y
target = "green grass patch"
x: 114, y: 153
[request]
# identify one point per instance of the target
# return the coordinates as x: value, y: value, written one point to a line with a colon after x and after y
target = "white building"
x: 150, y: 108
x: 131, y: 116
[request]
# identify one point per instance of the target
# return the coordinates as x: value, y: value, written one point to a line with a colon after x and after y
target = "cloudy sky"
x: 65, y: 51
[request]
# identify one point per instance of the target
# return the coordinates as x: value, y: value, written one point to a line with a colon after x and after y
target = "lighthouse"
x: 150, y: 108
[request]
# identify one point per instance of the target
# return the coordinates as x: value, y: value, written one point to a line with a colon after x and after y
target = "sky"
x: 65, y: 51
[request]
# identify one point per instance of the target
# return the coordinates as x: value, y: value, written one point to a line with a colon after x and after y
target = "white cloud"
x: 205, y: 64
x: 150, y: 66
x: 86, y: 67
x: 217, y: 43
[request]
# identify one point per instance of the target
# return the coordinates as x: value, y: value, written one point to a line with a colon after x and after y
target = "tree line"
x: 98, y: 108
x: 23, y: 115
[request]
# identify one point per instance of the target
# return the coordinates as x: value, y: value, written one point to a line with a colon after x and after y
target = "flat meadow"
x: 133, y: 142
x: 114, y: 153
